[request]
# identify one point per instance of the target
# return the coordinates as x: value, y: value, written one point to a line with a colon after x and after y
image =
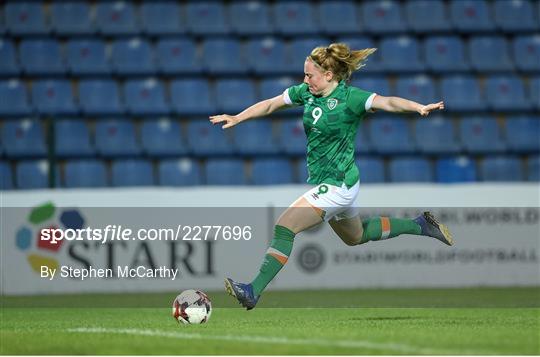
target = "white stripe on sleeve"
x: 369, y: 101
x: 286, y: 97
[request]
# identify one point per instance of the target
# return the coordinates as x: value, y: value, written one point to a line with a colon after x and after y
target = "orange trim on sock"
x: 280, y: 258
x: 385, y: 227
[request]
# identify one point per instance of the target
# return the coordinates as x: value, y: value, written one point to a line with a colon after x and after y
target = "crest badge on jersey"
x: 332, y: 103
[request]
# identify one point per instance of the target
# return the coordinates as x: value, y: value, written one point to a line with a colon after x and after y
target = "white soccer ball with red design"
x: 192, y: 307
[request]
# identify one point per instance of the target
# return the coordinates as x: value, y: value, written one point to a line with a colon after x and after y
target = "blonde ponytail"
x: 340, y: 59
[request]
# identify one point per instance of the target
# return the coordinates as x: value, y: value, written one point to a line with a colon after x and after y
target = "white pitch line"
x: 275, y: 340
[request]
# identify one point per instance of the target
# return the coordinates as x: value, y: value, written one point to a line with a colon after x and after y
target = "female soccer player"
x: 332, y: 111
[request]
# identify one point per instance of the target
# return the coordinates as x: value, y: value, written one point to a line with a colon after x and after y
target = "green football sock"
x: 275, y: 258
x: 384, y: 227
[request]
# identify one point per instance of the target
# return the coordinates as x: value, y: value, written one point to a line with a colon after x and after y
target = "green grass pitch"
x: 386, y: 322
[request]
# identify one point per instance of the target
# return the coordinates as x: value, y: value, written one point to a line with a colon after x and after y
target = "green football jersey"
x: 330, y: 124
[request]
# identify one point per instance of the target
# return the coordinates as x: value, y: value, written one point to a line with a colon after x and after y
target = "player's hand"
x: 229, y: 120
x: 426, y: 109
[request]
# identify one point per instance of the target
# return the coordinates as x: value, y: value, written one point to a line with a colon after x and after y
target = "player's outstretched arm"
x: 262, y: 108
x: 401, y: 105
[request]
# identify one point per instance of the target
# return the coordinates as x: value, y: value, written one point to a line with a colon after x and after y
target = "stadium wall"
x: 496, y: 229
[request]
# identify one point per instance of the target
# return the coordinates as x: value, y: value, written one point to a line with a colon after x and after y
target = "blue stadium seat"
x: 445, y: 54
x: 391, y: 135
x: 162, y: 18
x: 371, y: 170
x: 25, y: 18
x: 455, y: 170
x: 178, y: 56
x: 192, y: 97
x: 229, y: 61
x: 534, y: 91
x: 515, y: 15
x: 9, y: 65
x: 379, y: 85
x: 85, y: 173
x: 116, y: 18
x: 372, y: 64
x: 53, y: 97
x: 506, y: 93
x: 145, y: 97
x: 71, y: 18
x: 481, y: 135
x: 41, y: 57
x: 6, y: 176
x: 205, y: 139
x: 501, y: 169
x: 35, y: 175
x: 14, y: 98
x: 100, y: 97
x: 206, y: 18
x: 234, y: 95
x: 267, y: 56
x: 526, y: 50
x: 162, y: 138
x: 272, y: 172
x: 271, y: 87
x: 2, y: 24
x: 292, y: 137
x: 436, y: 136
x: 179, y: 172
x: 225, y: 172
x: 87, y: 57
x: 400, y: 54
x: 462, y: 93
x: 301, y: 171
x: 116, y: 138
x: 412, y: 169
x: 72, y: 139
x: 254, y: 137
x: 471, y: 16
x: 340, y: 17
x: 133, y: 57
x: 362, y: 142
x: 299, y: 49
x: 523, y: 133
x: 250, y: 18
x: 383, y: 17
x: 132, y: 172
x: 419, y: 88
x: 533, y: 168
x: 293, y: 18
x: 23, y: 138
x: 490, y: 53
x: 427, y: 16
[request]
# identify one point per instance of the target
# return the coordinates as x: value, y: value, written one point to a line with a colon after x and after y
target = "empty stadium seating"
x: 15, y: 100
x: 73, y: 139
x: 161, y: 138
x: 179, y: 172
x: 371, y: 170
x: 455, y: 170
x: 501, y: 169
x: 481, y: 135
x: 34, y: 174
x: 85, y: 173
x: 132, y: 172
x: 410, y: 169
x: 271, y: 171
x: 126, y: 88
x: 225, y: 172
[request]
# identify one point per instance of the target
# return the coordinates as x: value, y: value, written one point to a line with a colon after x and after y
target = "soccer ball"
x: 192, y: 307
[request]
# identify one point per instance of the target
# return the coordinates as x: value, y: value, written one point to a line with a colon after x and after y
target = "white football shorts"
x: 337, y: 202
